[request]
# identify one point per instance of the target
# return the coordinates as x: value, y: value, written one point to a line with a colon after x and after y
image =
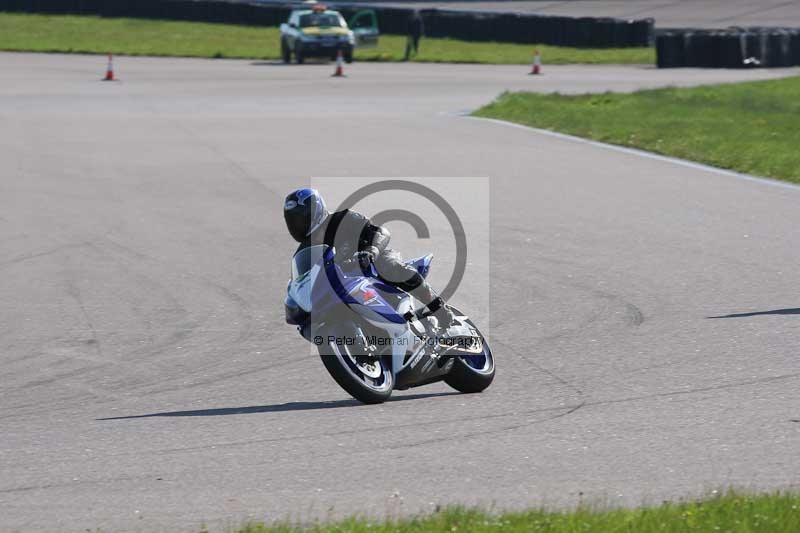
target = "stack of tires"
x: 526, y: 28
x: 730, y: 48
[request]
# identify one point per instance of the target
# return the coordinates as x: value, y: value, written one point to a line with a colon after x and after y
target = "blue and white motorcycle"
x: 370, y: 336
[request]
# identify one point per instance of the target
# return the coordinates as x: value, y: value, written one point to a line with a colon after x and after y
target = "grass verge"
x: 87, y: 34
x: 748, y: 127
x: 733, y: 513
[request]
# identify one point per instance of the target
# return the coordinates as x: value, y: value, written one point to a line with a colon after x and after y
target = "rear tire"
x: 466, y: 378
x: 463, y: 378
x: 336, y: 361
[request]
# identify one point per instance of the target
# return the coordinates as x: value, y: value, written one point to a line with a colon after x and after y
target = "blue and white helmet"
x: 304, y: 211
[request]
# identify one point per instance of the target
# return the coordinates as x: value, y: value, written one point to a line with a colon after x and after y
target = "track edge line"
x: 643, y: 153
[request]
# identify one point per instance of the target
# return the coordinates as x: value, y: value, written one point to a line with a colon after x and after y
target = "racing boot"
x: 441, y: 312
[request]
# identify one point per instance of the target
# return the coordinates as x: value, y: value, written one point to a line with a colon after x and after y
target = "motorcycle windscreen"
x: 306, y: 266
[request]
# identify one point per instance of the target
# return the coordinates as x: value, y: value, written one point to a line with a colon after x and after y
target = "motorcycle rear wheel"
x: 472, y: 373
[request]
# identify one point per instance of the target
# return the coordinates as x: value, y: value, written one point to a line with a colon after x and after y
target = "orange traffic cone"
x: 339, y: 72
x: 109, y: 70
x: 536, y: 67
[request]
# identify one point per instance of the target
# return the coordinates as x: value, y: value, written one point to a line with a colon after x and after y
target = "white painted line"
x: 649, y: 155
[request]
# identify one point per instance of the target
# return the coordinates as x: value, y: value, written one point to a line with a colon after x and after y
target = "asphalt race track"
x: 148, y: 382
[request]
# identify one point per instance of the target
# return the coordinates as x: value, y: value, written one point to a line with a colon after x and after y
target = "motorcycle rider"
x: 353, y: 235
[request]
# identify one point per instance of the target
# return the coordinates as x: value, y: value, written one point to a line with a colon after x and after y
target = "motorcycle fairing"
x: 295, y: 315
x: 364, y: 292
x: 300, y: 288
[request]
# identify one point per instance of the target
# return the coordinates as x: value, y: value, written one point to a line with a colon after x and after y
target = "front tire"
x: 472, y: 373
x: 341, y: 365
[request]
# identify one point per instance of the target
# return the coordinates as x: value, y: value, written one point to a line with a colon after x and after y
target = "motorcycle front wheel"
x: 368, y: 380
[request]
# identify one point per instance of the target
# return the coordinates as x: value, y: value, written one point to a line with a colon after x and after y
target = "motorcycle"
x: 370, y: 336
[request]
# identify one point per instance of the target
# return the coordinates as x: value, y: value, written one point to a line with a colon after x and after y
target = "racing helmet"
x: 304, y: 211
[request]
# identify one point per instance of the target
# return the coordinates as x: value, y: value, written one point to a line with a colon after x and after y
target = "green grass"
x: 85, y: 34
x: 733, y: 513
x: 748, y: 127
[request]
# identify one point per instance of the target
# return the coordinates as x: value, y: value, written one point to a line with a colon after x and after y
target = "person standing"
x: 415, y: 30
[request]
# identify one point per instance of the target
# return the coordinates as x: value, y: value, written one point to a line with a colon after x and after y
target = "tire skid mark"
x: 101, y: 362
x: 635, y: 316
x: 237, y: 167
x: 369, y: 429
x: 697, y: 390
x: 179, y: 335
x: 49, y: 380
x: 565, y: 410
x: 12, y: 238
x: 584, y: 404
x: 550, y: 338
x: 280, y: 439
x: 118, y: 253
x: 25, y: 343
x: 244, y: 309
x: 74, y: 482
x: 35, y: 255
x: 18, y: 411
x: 175, y: 306
x: 74, y: 291
x: 96, y: 394
x: 538, y: 367
x: 218, y: 378
x: 568, y: 410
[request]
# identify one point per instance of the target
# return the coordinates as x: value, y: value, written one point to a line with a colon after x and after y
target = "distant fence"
x: 731, y: 48
x: 583, y: 32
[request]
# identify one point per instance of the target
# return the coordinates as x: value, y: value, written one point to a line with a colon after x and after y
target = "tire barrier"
x: 583, y: 32
x: 524, y: 28
x: 731, y: 48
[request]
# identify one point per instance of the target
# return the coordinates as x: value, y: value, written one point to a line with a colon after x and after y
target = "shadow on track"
x: 280, y: 63
x: 757, y: 313
x: 270, y: 63
x: 277, y: 408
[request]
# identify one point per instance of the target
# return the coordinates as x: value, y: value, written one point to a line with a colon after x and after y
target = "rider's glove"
x: 365, y: 258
